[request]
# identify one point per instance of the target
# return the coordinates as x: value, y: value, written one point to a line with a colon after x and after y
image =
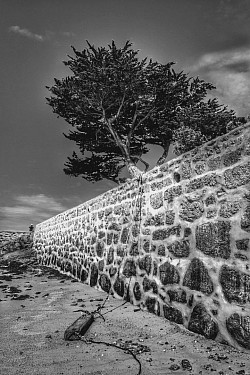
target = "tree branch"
x: 114, y: 118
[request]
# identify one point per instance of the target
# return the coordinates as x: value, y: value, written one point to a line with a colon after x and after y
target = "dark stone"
x: 110, y: 256
x: 154, y: 220
x: 214, y: 163
x: 201, y: 322
x: 245, y: 220
x: 211, y: 199
x: 240, y: 256
x: 101, y: 234
x: 156, y: 200
x: 134, y: 249
x: 242, y: 244
x: 129, y: 268
x: 104, y: 282
x: 115, y: 227
x: 112, y: 271
x: 191, y: 211
x: 119, y: 287
x: 235, y: 285
x: 116, y: 238
x: 109, y: 238
x: 187, y: 232
x: 191, y: 300
x: 180, y: 249
x: 161, y: 234
x: 237, y: 176
x: 170, y: 216
x: 172, y: 314
x: 213, y: 239
x: 177, y: 177
x: 152, y: 305
x: 101, y: 265
x: 84, y: 275
x: 232, y: 157
x: 145, y: 263
x: 149, y: 284
x: 146, y: 246
x: 168, y: 274
x: 186, y: 170
x: 124, y: 235
x: 137, y: 291
x: 135, y: 230
x: 239, y: 328
x: 177, y: 295
x: 171, y: 193
x: 161, y: 250
x: 229, y: 208
x: 200, y: 167
x: 100, y: 249
x: 93, y: 275
x: 120, y: 251
x: 211, y: 213
x: 199, y: 183
x: 156, y: 185
x: 197, y: 277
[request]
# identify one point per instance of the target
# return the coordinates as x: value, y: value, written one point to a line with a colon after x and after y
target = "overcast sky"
x: 209, y: 38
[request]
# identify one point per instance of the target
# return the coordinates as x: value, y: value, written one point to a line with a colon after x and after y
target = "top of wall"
x: 214, y: 155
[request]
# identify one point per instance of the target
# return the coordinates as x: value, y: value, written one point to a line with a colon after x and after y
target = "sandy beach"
x: 38, y: 304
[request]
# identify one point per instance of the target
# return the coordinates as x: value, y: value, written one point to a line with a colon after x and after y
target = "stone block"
x: 242, y: 244
x: 168, y: 274
x: 149, y: 284
x: 172, y: 314
x: 93, y: 275
x: 245, y: 220
x: 199, y: 183
x: 170, y: 216
x: 162, y: 234
x: 119, y: 286
x: 104, y: 283
x: 201, y: 322
x: 186, y: 169
x: 134, y: 249
x: 177, y: 295
x: 101, y: 265
x: 235, y: 285
x: 191, y: 211
x: 110, y: 256
x: 109, y: 238
x: 237, y: 176
x: 137, y: 291
x: 239, y: 328
x: 161, y: 250
x: 152, y: 305
x: 171, y: 193
x: 157, y: 185
x: 129, y: 268
x: 232, y: 157
x: 197, y: 277
x: 211, y: 199
x: 125, y: 235
x: 112, y: 271
x: 156, y: 200
x: 84, y: 275
x: 145, y: 264
x: 229, y: 208
x: 214, y: 163
x: 213, y: 239
x: 200, y: 167
x: 180, y: 249
x: 99, y: 249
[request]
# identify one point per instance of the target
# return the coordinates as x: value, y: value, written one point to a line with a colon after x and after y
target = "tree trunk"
x: 163, y: 157
x: 133, y: 170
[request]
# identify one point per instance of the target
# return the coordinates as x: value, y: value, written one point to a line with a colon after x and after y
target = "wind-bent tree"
x: 119, y: 104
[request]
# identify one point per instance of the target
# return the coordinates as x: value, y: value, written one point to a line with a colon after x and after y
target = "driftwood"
x: 79, y: 327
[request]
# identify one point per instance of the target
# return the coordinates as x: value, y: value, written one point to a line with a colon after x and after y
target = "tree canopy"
x: 118, y: 105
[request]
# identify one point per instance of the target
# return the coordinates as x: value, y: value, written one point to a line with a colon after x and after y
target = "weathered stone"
x: 168, y: 274
x: 137, y: 291
x: 239, y: 328
x: 146, y: 246
x: 186, y: 169
x: 235, y: 285
x: 116, y: 238
x: 110, y: 256
x: 114, y: 226
x: 119, y: 287
x: 199, y: 183
x: 161, y: 250
x: 156, y: 200
x: 161, y: 234
x: 232, y: 157
x: 180, y: 249
x: 156, y: 185
x: 201, y: 322
x: 237, y: 176
x: 120, y: 251
x: 245, y: 220
x: 177, y: 177
x: 152, y: 305
x: 101, y: 234
x: 104, y: 282
x: 212, y: 212
x: 200, y: 167
x: 145, y: 263
x: 93, y: 275
x: 214, y: 163
x: 170, y: 216
x: 112, y: 271
x: 99, y: 249
x: 240, y: 256
x: 154, y: 220
x: 229, y: 208
x: 134, y: 249
x: 101, y: 265
x: 197, y: 277
x: 211, y: 199
x: 84, y: 275
x: 191, y: 211
x: 242, y: 244
x: 109, y: 238
x: 125, y: 235
x: 149, y: 284
x: 129, y: 268
x: 212, y: 238
x: 171, y: 193
x: 177, y: 295
x: 172, y: 314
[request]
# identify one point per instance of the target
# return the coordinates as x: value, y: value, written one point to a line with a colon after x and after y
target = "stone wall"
x: 175, y: 243
x: 13, y: 241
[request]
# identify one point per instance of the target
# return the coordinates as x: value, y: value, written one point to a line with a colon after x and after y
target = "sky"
x: 209, y: 39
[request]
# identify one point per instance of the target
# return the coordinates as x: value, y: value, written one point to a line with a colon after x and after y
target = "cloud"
x: 229, y: 71
x: 28, y: 209
x: 26, y: 33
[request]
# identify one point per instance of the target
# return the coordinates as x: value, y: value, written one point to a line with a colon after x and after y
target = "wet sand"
x: 38, y: 304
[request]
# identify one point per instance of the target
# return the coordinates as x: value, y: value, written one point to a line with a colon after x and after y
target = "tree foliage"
x: 118, y: 104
